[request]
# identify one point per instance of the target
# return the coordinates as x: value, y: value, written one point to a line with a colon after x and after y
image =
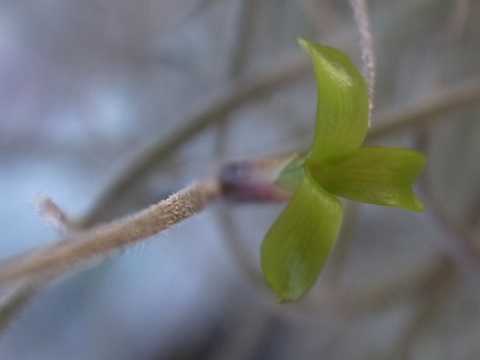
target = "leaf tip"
x: 305, y: 44
x: 309, y: 47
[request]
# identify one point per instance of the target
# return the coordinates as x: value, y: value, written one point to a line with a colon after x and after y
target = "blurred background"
x: 86, y: 85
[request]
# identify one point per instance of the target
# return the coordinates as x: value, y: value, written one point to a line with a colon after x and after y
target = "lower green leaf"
x: 297, y: 245
x: 374, y: 175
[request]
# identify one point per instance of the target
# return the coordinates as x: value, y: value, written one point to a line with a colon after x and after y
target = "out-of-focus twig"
x: 458, y: 19
x: 388, y: 292
x: 428, y: 111
x: 238, y: 62
x: 431, y: 295
x: 244, y: 32
x: 464, y: 249
x: 55, y: 216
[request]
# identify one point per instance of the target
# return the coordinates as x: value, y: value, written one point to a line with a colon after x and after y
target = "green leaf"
x: 381, y: 176
x: 342, y: 108
x: 297, y: 245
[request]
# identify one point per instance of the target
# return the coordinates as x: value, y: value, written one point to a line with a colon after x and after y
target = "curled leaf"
x: 297, y: 245
x: 342, y: 107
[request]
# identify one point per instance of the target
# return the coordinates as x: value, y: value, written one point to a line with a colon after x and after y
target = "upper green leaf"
x: 342, y: 108
x: 382, y: 176
x: 298, y: 243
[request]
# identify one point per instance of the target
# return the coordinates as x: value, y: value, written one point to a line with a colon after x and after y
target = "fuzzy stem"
x: 100, y: 241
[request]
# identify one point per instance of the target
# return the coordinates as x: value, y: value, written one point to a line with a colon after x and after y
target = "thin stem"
x: 360, y: 12
x: 464, y: 251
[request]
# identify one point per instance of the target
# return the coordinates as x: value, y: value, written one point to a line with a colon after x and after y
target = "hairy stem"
x: 100, y: 241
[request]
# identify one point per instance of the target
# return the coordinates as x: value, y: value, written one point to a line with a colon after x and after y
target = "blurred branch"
x: 238, y: 61
x: 427, y: 112
x: 55, y: 216
x: 459, y: 18
x: 391, y: 291
x: 465, y: 251
x: 244, y: 32
x: 431, y: 297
